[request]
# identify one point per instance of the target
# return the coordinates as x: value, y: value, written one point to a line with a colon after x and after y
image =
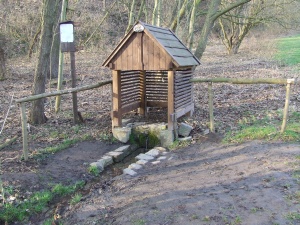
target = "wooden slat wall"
x: 140, y: 52
x: 183, y: 89
x: 131, y: 90
x: 157, y: 88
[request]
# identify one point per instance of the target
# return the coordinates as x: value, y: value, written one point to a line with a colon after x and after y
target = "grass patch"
x: 94, y: 170
x: 293, y: 216
x: 288, y: 50
x: 36, y: 203
x: 267, y: 128
x: 75, y: 199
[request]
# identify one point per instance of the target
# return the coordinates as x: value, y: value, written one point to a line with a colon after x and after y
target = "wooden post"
x: 74, y: 94
x: 171, y: 116
x: 24, y: 130
x: 142, y: 109
x: 286, y: 107
x: 116, y: 97
x: 211, y: 108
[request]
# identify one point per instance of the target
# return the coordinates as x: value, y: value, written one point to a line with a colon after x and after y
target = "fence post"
x: 211, y: 108
x: 286, y: 106
x: 24, y: 130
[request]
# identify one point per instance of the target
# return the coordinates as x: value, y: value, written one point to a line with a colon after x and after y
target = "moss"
x: 144, y: 140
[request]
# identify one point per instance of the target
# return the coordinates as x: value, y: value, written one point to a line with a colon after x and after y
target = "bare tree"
x: 49, y: 19
x: 236, y: 24
x: 213, y: 14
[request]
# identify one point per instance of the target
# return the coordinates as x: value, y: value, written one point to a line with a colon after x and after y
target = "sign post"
x: 67, y: 45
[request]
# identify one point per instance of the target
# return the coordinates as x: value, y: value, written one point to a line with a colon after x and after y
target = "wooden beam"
x: 245, y: 80
x: 171, y: 75
x: 116, y: 99
x: 63, y: 92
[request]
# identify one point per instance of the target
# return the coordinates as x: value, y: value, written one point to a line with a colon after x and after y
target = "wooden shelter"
x: 151, y: 67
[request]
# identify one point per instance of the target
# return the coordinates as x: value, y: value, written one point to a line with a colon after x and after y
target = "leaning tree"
x: 49, y: 22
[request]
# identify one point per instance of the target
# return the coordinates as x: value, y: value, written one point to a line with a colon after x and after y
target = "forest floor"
x: 206, y: 182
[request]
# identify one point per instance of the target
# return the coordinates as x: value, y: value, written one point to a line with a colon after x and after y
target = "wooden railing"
x: 210, y: 81
x: 22, y: 102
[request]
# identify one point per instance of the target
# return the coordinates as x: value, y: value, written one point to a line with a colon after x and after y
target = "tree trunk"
x: 192, y: 24
x: 37, y: 115
x: 131, y: 19
x: 208, y: 24
x: 179, y: 16
x: 211, y: 17
x: 55, y: 43
x: 2, y: 64
x: 154, y: 13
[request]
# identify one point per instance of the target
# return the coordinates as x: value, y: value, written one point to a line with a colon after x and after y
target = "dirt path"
x: 208, y: 183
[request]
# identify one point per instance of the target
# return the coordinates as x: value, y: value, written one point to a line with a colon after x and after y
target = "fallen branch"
x: 9, y: 142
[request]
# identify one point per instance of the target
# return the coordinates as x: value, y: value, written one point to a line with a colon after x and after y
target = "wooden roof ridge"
x: 167, y: 41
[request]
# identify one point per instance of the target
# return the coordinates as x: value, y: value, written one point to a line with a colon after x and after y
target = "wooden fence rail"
x: 210, y: 81
x: 23, y: 101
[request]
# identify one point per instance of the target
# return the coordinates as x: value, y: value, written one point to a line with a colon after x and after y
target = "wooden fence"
x: 22, y: 102
x: 288, y: 83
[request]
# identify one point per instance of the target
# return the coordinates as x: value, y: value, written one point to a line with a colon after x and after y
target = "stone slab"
x: 155, y: 162
x: 129, y: 172
x: 135, y: 166
x: 153, y: 152
x: 144, y: 157
x: 107, y: 160
x: 142, y: 162
x: 162, y: 149
x: 117, y: 156
x: 162, y: 158
x: 189, y: 138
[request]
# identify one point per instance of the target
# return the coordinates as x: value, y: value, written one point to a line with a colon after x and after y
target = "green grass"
x: 266, y: 129
x: 94, y: 170
x: 36, y: 203
x: 289, y: 50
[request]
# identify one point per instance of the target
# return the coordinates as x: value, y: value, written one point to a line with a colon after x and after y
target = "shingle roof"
x: 181, y: 56
x: 174, y: 47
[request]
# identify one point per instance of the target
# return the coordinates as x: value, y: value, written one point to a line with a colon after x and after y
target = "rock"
x: 162, y: 158
x: 129, y: 172
x: 153, y: 152
x: 126, y: 150
x: 135, y: 166
x: 117, y: 156
x: 142, y: 162
x: 107, y: 160
x: 184, y: 129
x: 144, y: 157
x: 189, y: 138
x: 205, y: 132
x: 122, y: 133
x: 162, y: 149
x: 99, y: 164
x: 126, y: 122
x: 155, y: 162
x: 166, y: 137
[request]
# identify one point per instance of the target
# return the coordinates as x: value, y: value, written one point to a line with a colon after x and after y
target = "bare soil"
x: 204, y: 183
